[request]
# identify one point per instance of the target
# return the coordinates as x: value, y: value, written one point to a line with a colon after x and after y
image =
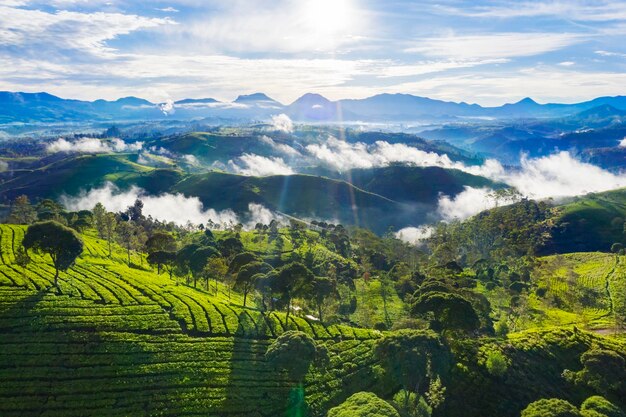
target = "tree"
x: 60, y: 242
x: 451, y: 311
x: 160, y: 242
x: 22, y: 212
x: 230, y: 247
x: 603, y: 370
x: 363, y: 404
x: 50, y: 210
x: 99, y: 215
x: 602, y: 406
x: 246, y: 277
x: 293, y: 352
x: 21, y: 258
x: 290, y: 282
x: 412, y: 358
x: 163, y: 258
x: 240, y: 260
x: 552, y: 407
x: 127, y: 236
x: 322, y: 288
x: 109, y: 228
x: 215, y: 267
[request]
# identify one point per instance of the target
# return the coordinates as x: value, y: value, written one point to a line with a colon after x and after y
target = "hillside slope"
x: 118, y: 341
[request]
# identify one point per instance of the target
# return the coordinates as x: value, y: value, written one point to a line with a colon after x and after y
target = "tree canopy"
x: 60, y: 242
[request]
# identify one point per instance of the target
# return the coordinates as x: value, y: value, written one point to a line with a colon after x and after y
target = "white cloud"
x: 167, y: 107
x: 29, y: 30
x: 191, y: 160
x: 560, y: 175
x: 92, y: 145
x: 414, y: 235
x: 567, y: 63
x: 573, y: 10
x: 343, y: 156
x: 283, y: 26
x: 282, y: 122
x: 167, y: 207
x: 256, y: 165
x: 469, y: 202
x: 280, y: 147
x: 494, y: 46
x: 168, y: 10
x: 4, y: 166
x: 622, y: 143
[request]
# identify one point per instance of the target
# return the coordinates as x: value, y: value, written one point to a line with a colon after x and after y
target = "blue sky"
x: 488, y: 52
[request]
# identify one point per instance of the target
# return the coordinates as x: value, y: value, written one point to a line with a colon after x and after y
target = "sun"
x: 329, y: 22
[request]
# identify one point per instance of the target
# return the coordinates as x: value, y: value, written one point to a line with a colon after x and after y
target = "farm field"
x: 133, y: 342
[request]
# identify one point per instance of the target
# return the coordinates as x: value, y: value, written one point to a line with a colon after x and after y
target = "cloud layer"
x: 91, y: 145
x: 166, y: 207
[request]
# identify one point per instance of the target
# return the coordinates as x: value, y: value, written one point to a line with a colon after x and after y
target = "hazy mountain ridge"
x: 44, y: 107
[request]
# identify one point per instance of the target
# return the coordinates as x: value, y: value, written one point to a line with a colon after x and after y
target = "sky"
x: 486, y: 52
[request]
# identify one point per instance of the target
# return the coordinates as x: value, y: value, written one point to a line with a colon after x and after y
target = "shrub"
x: 364, y: 404
x: 497, y: 364
x: 552, y: 407
x: 601, y: 406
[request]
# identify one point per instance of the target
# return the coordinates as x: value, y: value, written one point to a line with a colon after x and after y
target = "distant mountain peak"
x: 196, y: 100
x: 246, y: 98
x: 527, y: 101
x: 312, y: 99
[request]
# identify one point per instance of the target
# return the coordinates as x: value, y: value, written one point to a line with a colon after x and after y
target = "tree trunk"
x: 128, y: 252
x: 109, y: 241
x: 194, y: 280
x: 56, y: 277
x: 159, y: 269
x: 288, y: 311
x: 319, y: 311
x: 245, y: 295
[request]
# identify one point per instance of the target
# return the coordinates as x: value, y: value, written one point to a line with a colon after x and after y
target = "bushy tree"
x: 161, y: 247
x: 552, y: 407
x: 364, y: 404
x: 321, y: 289
x: 216, y: 268
x: 245, y: 279
x: 603, y: 370
x: 52, y: 238
x: 293, y: 352
x: 451, y: 311
x: 291, y: 281
x: 412, y: 358
x: 601, y: 406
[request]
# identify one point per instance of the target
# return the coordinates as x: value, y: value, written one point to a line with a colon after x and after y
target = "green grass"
x: 120, y: 341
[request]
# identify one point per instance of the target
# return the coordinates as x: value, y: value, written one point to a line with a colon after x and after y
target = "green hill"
x: 75, y: 173
x: 589, y: 223
x: 417, y: 185
x: 296, y: 195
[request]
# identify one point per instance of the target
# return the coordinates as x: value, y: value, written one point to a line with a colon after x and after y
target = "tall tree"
x: 158, y: 245
x: 322, y: 289
x: 127, y: 236
x: 22, y: 212
x: 245, y: 279
x: 291, y: 281
x: 109, y: 227
x: 60, y: 242
x: 215, y: 267
x: 99, y: 215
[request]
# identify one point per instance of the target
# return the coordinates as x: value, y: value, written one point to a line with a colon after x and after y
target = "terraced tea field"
x: 584, y: 288
x: 120, y: 341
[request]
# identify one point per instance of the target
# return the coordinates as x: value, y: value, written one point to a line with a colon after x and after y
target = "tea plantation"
x: 120, y: 341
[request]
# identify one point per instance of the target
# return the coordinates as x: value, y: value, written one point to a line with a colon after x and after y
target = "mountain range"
x: 46, y: 108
